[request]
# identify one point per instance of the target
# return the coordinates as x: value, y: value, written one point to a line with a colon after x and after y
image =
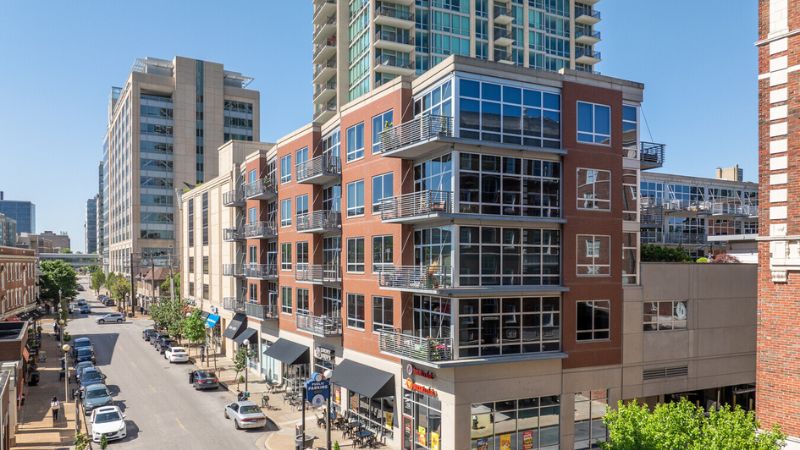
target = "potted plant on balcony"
x: 432, y: 275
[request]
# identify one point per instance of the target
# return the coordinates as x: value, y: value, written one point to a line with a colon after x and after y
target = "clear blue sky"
x: 59, y: 59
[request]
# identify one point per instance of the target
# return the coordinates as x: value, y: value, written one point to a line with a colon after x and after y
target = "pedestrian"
x: 54, y: 406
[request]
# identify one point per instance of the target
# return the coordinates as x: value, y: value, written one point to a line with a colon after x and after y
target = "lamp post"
x: 246, y: 344
x: 65, y: 349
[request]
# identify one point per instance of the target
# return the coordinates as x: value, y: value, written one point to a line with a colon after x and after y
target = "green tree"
x: 103, y: 442
x: 657, y: 253
x: 65, y: 251
x: 169, y: 315
x: 240, y: 362
x: 194, y: 328
x: 682, y: 425
x: 120, y: 289
x: 98, y: 279
x: 57, y: 275
x: 164, y: 287
x: 92, y: 269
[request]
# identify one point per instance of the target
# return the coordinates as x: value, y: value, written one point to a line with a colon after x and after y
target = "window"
x: 190, y: 222
x: 252, y: 215
x: 252, y: 254
x: 253, y: 293
x: 382, y: 189
x: 205, y: 265
x: 669, y: 315
x: 355, y: 142
x: 286, y: 169
x: 379, y: 123
x: 286, y: 212
x: 286, y: 299
x: 302, y: 253
x: 355, y: 198
x: 594, y: 123
x: 590, y: 408
x: 382, y: 252
x: 355, y: 254
x: 534, y: 420
x: 593, y: 320
x: 630, y: 258
x: 205, y: 218
x: 355, y: 311
x: 301, y: 203
x: 593, y: 255
x: 286, y: 256
x: 630, y: 205
x: 191, y: 264
x: 382, y: 313
x: 594, y: 189
x: 206, y: 291
x: 630, y: 126
x: 302, y: 301
x: 299, y: 159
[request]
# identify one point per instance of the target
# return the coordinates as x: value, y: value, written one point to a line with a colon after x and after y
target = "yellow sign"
x: 505, y: 442
x: 434, y: 440
x: 422, y: 436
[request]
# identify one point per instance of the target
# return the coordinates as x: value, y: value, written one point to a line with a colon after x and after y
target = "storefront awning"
x: 236, y: 326
x: 362, y: 379
x: 211, y: 320
x: 249, y: 334
x: 288, y: 352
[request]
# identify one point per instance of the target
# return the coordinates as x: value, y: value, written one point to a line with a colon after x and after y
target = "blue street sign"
x: 318, y: 389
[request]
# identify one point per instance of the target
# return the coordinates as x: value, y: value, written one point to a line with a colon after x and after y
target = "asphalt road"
x: 162, y: 409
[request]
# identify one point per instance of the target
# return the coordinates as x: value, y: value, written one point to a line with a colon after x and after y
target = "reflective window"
x: 302, y: 301
x: 593, y: 258
x: 593, y: 320
x: 286, y: 169
x: 590, y: 408
x: 382, y: 252
x: 355, y: 142
x: 594, y: 189
x: 630, y: 258
x: 382, y: 189
x: 301, y: 156
x: 286, y: 299
x: 382, y: 313
x: 669, y: 315
x: 355, y: 198
x: 594, y: 123
x: 286, y: 256
x: 301, y: 205
x: 380, y: 123
x: 516, y: 424
x: 355, y: 254
x: 286, y: 212
x: 355, y: 311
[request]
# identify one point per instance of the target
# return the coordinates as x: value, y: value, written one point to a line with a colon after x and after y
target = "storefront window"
x: 590, y: 407
x: 525, y: 424
x: 422, y: 424
x: 377, y: 414
x: 324, y: 359
x: 270, y: 367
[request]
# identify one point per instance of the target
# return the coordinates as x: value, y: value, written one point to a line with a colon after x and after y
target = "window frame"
x: 353, y: 319
x: 286, y: 301
x: 594, y: 332
x: 286, y: 212
x: 286, y: 256
x: 594, y: 200
x: 356, y: 152
x: 378, y: 199
x: 286, y: 169
x: 594, y: 134
x: 379, y: 314
x: 356, y: 264
x: 355, y: 210
x: 647, y: 325
x: 382, y: 126
x: 593, y: 268
x: 382, y: 263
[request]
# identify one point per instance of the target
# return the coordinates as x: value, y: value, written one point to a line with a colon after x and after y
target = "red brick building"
x: 18, y: 278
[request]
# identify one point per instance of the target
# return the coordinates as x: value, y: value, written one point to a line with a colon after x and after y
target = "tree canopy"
x: 98, y: 279
x: 657, y: 253
x: 194, y: 328
x: 164, y: 287
x: 57, y: 275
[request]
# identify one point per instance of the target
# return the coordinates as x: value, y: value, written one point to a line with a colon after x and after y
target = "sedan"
x: 245, y: 414
x: 157, y: 338
x: 82, y: 302
x: 80, y: 367
x: 95, y: 396
x: 111, y: 318
x: 108, y: 421
x: 84, y: 354
x: 164, y: 344
x: 82, y: 342
x: 176, y: 354
x: 204, y: 379
x: 91, y: 376
x: 85, y: 309
x: 148, y: 334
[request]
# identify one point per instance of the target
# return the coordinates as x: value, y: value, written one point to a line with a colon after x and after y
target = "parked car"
x: 82, y: 302
x: 164, y: 344
x: 95, y: 396
x: 149, y: 333
x: 90, y: 376
x: 112, y: 318
x: 81, y: 288
x: 175, y: 354
x: 204, y: 379
x: 157, y: 338
x: 81, y: 342
x: 245, y: 414
x: 84, y: 354
x: 110, y: 302
x: 71, y: 307
x: 84, y: 309
x: 109, y: 421
x: 79, y: 368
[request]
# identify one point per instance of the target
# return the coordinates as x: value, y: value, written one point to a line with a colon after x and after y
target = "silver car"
x: 245, y: 414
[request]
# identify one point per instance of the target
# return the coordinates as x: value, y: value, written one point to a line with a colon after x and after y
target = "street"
x: 162, y: 409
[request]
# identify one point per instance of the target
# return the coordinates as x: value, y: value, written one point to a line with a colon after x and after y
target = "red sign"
x: 412, y: 370
x: 412, y: 386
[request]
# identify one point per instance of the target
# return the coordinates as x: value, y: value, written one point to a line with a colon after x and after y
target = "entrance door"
x: 408, y: 432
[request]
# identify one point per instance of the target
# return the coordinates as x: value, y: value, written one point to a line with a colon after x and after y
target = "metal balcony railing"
x: 407, y: 345
x: 416, y: 204
x: 233, y: 198
x: 589, y: 53
x: 582, y: 33
x: 393, y: 36
x: 397, y: 13
x: 322, y: 165
x: 260, y: 270
x: 330, y: 42
x: 501, y: 10
x: 264, y: 186
x: 325, y: 220
x: 501, y: 33
x: 331, y: 84
x: 684, y: 238
x: 587, y: 12
x: 234, y: 304
x: 394, y: 61
x: 232, y: 234
x: 318, y: 273
x: 260, y: 230
x: 733, y: 209
x: 320, y: 325
x: 651, y: 155
x: 416, y: 277
x: 330, y: 21
x: 420, y: 129
x: 232, y: 270
x: 261, y: 311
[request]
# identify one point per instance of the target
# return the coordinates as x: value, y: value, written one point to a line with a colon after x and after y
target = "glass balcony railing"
x: 397, y: 13
x: 262, y: 312
x: 394, y: 36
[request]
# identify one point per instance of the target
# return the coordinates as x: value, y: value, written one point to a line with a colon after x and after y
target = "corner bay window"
x: 516, y: 424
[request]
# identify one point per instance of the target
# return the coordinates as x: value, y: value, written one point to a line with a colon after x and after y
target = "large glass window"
x: 594, y: 123
x: 355, y: 311
x: 377, y: 414
x: 593, y: 257
x: 425, y: 414
x: 380, y: 123
x: 301, y: 156
x: 331, y: 302
x: 434, y: 174
x: 190, y: 222
x: 286, y: 212
x: 594, y: 321
x: 204, y: 218
x: 302, y: 252
x: 509, y: 114
x: 286, y: 299
x: 301, y: 205
x: 432, y: 316
x: 382, y: 313
x: 355, y: 254
x: 528, y: 423
x: 630, y: 126
x: 509, y: 186
x: 590, y: 408
x: 594, y: 189
x: 382, y: 189
x: 630, y: 196
x: 286, y: 169
x: 286, y: 256
x: 491, y: 256
x: 355, y: 142
x: 382, y: 252
x: 508, y: 326
x: 302, y: 301
x: 355, y: 198
x: 668, y: 315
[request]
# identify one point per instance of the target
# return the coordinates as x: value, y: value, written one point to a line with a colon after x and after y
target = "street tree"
x: 98, y: 279
x: 194, y: 328
x: 57, y: 275
x: 239, y: 362
x: 164, y: 287
x: 683, y: 425
x: 120, y: 289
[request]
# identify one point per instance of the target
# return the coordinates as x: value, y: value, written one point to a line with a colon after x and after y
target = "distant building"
x: 47, y: 242
x: 90, y: 226
x: 77, y: 261
x: 8, y: 231
x: 17, y: 281
x: 24, y: 212
x: 100, y: 212
x: 734, y: 173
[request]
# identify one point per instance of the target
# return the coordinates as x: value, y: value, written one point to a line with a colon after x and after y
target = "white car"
x: 245, y: 414
x: 111, y: 318
x: 109, y: 421
x: 176, y: 354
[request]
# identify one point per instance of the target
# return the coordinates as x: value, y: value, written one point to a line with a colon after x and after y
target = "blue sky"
x: 59, y: 60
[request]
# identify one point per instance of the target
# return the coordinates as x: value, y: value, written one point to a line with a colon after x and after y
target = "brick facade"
x: 18, y: 289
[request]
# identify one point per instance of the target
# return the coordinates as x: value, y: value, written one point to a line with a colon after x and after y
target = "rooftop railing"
x: 234, y: 304
x: 260, y: 230
x: 322, y: 165
x: 416, y: 204
x: 405, y: 344
x: 320, y: 325
x: 261, y: 311
x: 420, y: 129
x: 416, y: 277
x: 324, y: 220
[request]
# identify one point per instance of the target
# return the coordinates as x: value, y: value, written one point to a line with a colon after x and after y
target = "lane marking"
x: 181, y: 425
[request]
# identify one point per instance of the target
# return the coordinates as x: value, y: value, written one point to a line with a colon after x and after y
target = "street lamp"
x: 65, y: 349
x: 246, y: 343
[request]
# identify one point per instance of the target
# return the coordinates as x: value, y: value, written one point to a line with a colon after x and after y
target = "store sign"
x: 324, y: 354
x: 413, y: 371
x: 318, y: 389
x: 412, y: 386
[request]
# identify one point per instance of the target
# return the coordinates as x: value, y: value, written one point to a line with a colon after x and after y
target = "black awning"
x: 248, y: 334
x: 235, y: 326
x: 365, y: 380
x: 288, y: 352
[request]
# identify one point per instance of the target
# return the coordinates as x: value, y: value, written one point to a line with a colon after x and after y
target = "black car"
x: 148, y: 334
x: 154, y: 340
x: 81, y: 342
x: 204, y: 379
x: 84, y: 354
x: 164, y: 344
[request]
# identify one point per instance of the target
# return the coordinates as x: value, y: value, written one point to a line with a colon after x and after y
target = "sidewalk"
x: 36, y: 429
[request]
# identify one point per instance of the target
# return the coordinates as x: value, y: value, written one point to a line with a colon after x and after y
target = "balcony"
x: 406, y: 345
x: 325, y: 91
x: 587, y: 37
x: 263, y: 189
x: 586, y: 16
x: 502, y: 37
x: 325, y: 112
x: 233, y: 198
x: 261, y: 271
x: 323, y: 10
x: 651, y: 155
x: 232, y: 270
x: 232, y: 235
x: 394, y: 17
x: 422, y: 279
x: 587, y: 56
x: 318, y: 273
x: 503, y: 56
x: 503, y: 15
x: 417, y: 137
x: 323, y: 326
x: 262, y: 312
x: 417, y: 207
x: 391, y: 64
x: 234, y: 304
x: 325, y: 50
x: 324, y: 72
x: 390, y: 40
x: 323, y: 221
x: 260, y: 230
x: 324, y: 30
x: 322, y: 169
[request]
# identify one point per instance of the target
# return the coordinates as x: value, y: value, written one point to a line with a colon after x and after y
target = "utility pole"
x: 133, y: 290
x: 152, y: 281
